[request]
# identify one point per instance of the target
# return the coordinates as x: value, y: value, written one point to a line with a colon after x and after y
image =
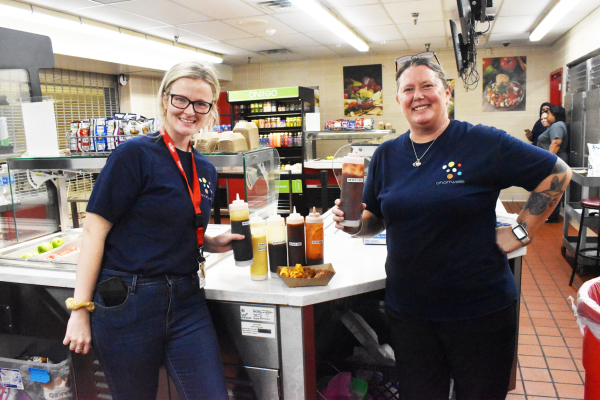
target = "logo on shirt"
x: 453, y: 173
x: 205, y: 188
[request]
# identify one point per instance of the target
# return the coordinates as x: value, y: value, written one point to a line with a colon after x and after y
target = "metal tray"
x: 30, y: 246
x: 59, y: 250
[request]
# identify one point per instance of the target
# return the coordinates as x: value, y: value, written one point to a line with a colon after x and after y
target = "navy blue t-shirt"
x: 142, y: 192
x: 443, y: 262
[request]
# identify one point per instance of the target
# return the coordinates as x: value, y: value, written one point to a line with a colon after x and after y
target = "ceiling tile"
x: 221, y: 9
x: 516, y: 24
x: 530, y: 7
x: 216, y: 30
x: 343, y: 49
x: 570, y: 20
x: 507, y: 37
x: 586, y: 6
x: 389, y: 46
x: 253, y: 44
x: 325, y: 37
x: 289, y: 57
x: 239, y: 60
x: 124, y: 19
x: 379, y: 33
x: 225, y: 49
x: 320, y: 51
x: 260, y: 29
x: 185, y: 37
x: 437, y: 44
x: 300, y: 21
x: 64, y: 5
x: 423, y: 30
x: 429, y: 10
x: 360, y: 16
x: 292, y: 40
x: 161, y: 10
x: 349, y: 3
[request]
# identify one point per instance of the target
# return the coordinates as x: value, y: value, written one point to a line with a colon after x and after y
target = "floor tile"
x: 540, y: 314
x: 539, y: 388
x: 539, y: 374
x: 574, y: 342
x: 531, y: 350
x: 530, y: 339
x: 576, y: 352
x: 566, y: 391
x: 547, y: 331
x: 566, y: 364
x: 515, y: 397
x: 568, y: 315
x: 532, y: 361
x: 551, y: 340
x: 553, y: 351
x: 571, y: 377
x: 537, y: 306
x: 530, y: 330
x: 543, y: 322
x: 571, y: 332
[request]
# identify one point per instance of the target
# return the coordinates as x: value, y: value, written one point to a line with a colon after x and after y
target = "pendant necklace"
x: 418, y: 162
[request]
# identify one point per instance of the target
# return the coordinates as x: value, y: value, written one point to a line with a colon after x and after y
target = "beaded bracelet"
x: 76, y: 305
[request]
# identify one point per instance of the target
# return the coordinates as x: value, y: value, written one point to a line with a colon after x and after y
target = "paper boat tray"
x: 299, y: 282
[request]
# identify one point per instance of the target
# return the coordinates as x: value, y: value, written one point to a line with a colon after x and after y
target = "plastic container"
x: 259, y: 271
x: 588, y: 317
x: 240, y: 223
x: 353, y: 180
x: 295, y: 239
x: 276, y: 243
x: 314, y: 238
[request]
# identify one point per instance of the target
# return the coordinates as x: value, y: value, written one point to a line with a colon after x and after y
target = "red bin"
x: 588, y: 312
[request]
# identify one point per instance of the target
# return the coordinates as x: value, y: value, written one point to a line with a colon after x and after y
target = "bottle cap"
x: 275, y: 219
x: 295, y: 218
x: 238, y: 204
x: 256, y: 220
x: 353, y: 158
x: 314, y: 217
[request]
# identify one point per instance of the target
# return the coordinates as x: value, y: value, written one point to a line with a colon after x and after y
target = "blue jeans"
x: 163, y: 321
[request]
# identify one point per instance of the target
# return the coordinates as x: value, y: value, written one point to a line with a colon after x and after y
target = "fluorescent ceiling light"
x: 98, y: 41
x: 330, y: 21
x: 552, y: 18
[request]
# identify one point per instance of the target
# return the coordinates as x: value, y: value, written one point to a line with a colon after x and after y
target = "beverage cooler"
x: 280, y: 115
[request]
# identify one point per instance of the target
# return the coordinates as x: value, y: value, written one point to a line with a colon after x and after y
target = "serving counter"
x: 266, y: 329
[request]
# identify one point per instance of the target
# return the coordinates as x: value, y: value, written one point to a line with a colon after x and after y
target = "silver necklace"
x: 418, y: 162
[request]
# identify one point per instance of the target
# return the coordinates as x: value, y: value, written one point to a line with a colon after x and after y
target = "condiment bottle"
x: 314, y: 238
x: 353, y: 180
x: 240, y: 216
x: 260, y: 268
x: 295, y: 238
x: 277, y: 244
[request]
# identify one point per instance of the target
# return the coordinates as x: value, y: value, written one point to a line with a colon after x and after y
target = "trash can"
x: 588, y: 317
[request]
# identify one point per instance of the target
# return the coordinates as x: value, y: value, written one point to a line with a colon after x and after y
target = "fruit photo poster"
x: 362, y: 91
x: 504, y: 83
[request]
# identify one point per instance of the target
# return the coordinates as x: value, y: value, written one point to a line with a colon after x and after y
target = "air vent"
x: 274, y: 5
x: 274, y: 51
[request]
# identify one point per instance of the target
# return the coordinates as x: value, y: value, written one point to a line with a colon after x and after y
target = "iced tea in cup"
x: 353, y: 180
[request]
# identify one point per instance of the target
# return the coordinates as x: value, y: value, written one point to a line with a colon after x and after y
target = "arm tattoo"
x: 539, y: 202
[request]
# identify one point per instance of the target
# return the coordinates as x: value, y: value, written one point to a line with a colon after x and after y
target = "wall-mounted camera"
x: 505, y: 44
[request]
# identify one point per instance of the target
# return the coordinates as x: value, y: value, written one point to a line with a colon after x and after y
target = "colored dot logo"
x: 207, y: 186
x: 452, y: 169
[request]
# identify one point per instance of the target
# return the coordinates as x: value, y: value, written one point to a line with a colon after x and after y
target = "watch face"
x: 519, y: 232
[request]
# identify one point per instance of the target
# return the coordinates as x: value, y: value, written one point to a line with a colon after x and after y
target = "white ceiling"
x: 237, y: 28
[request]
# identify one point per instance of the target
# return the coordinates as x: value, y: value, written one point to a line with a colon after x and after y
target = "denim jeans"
x: 163, y: 321
x: 477, y: 353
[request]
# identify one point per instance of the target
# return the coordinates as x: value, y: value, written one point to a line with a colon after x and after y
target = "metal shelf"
x: 85, y: 164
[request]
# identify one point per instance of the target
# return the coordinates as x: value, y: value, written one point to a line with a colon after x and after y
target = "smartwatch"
x: 521, y: 234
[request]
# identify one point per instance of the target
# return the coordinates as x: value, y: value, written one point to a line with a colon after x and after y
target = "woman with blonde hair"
x: 139, y: 296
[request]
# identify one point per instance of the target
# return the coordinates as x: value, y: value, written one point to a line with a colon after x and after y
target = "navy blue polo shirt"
x: 443, y: 262
x: 142, y: 192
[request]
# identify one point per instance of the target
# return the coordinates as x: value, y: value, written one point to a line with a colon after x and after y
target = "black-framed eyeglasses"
x: 182, y: 102
x: 426, y: 54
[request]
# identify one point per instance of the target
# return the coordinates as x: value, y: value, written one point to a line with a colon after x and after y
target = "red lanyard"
x: 195, y: 194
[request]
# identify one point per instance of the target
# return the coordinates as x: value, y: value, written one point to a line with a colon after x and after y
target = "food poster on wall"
x: 451, y: 83
x: 362, y: 90
x: 504, y: 82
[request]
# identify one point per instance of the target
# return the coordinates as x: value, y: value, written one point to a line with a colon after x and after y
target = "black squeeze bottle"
x: 240, y: 223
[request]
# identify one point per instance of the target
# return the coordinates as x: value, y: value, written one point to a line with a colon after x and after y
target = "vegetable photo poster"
x: 362, y: 90
x: 504, y: 83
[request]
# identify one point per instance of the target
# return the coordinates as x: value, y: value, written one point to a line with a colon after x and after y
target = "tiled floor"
x: 550, y: 342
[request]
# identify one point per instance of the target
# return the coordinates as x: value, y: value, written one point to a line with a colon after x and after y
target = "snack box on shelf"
x: 33, y: 247
x: 301, y: 282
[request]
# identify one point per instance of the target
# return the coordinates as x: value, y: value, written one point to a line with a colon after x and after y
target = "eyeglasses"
x: 181, y: 102
x: 426, y: 54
